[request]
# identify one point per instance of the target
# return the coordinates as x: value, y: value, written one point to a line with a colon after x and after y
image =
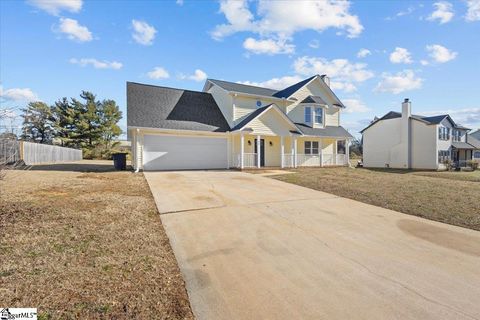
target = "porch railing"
x: 303, y: 160
x: 249, y: 160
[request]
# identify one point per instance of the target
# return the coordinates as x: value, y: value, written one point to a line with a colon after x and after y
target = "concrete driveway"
x: 251, y: 247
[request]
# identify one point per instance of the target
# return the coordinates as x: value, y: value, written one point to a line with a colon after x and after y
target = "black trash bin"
x: 120, y: 161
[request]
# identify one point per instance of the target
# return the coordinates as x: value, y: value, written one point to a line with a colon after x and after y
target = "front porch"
x: 260, y: 151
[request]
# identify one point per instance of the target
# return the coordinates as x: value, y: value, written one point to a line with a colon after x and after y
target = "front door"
x: 262, y: 151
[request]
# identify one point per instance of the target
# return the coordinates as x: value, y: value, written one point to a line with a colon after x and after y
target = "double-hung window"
x: 308, y: 114
x: 456, y: 135
x: 319, y: 115
x: 443, y: 155
x: 443, y: 133
x: 311, y: 147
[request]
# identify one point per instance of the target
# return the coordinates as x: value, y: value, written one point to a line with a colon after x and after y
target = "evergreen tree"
x: 37, y: 123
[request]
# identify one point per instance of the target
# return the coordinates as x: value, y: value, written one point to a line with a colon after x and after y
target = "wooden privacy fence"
x: 36, y: 153
x: 31, y: 153
x: 9, y: 151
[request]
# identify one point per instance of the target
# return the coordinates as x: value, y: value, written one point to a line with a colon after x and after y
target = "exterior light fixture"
x: 271, y: 144
x: 249, y: 142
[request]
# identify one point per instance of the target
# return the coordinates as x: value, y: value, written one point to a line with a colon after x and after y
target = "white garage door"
x: 177, y: 153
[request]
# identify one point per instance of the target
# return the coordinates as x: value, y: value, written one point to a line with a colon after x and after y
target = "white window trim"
x: 315, y: 116
x: 311, y: 147
x: 305, y: 114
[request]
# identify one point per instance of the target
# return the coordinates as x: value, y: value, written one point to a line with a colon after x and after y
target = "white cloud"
x: 400, y: 55
x: 179, y: 2
x: 355, y: 106
x: 441, y: 54
x: 362, y: 53
x: 198, y: 75
x: 406, y: 12
x: 268, y: 46
x: 54, y: 7
x: 473, y: 11
x: 344, y: 86
x: 276, y: 17
x: 469, y: 117
x: 143, y: 33
x: 275, y: 83
x: 158, y: 73
x: 74, y: 30
x: 443, y: 12
x: 424, y: 62
x: 18, y: 94
x: 396, y: 83
x: 97, y: 64
x: 314, y: 44
x: 342, y: 72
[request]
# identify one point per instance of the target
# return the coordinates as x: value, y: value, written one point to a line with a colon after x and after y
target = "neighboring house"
x: 474, y: 140
x: 406, y: 141
x: 231, y: 125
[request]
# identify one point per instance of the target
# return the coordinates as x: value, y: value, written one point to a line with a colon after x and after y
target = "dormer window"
x: 319, y: 115
x: 308, y: 114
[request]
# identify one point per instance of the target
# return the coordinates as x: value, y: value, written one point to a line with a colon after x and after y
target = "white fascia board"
x: 274, y: 106
x: 177, y: 131
x: 259, y: 96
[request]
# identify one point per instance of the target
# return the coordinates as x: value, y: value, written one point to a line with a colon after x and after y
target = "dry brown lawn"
x: 82, y: 241
x: 449, y: 197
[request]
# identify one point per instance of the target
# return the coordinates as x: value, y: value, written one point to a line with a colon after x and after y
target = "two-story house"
x: 232, y: 125
x: 406, y: 141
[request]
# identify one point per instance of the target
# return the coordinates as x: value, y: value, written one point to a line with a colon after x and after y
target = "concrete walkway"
x: 251, y: 247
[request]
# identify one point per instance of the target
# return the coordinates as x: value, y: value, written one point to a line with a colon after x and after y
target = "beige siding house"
x: 231, y: 125
x: 406, y: 141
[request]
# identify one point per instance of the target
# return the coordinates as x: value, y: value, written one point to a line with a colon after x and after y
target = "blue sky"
x: 376, y: 52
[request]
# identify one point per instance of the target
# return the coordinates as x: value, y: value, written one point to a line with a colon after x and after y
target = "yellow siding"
x: 296, y: 112
x: 270, y: 123
x: 224, y: 102
x: 246, y: 105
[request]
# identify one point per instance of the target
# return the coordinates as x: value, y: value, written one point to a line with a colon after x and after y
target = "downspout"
x: 137, y: 169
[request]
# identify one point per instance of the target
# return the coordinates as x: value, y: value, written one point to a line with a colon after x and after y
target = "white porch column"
x: 282, y: 152
x: 258, y: 152
x: 229, y: 148
x: 347, y: 152
x: 295, y: 152
x: 336, y: 152
x: 242, y: 144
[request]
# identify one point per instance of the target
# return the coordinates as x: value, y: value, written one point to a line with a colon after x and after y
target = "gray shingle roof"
x: 287, y: 92
x: 473, y: 141
x: 427, y: 120
x: 238, y: 87
x: 314, y: 99
x: 476, y: 134
x: 462, y: 145
x: 160, y: 107
x: 328, y: 131
x: 284, y: 93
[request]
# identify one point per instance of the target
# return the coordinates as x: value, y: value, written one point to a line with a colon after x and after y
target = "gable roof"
x: 474, y: 141
x: 161, y: 107
x: 243, y: 88
x: 288, y: 91
x: 431, y: 120
x: 476, y: 134
x: 328, y: 131
x: 257, y: 113
x: 266, y: 92
x: 314, y: 99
